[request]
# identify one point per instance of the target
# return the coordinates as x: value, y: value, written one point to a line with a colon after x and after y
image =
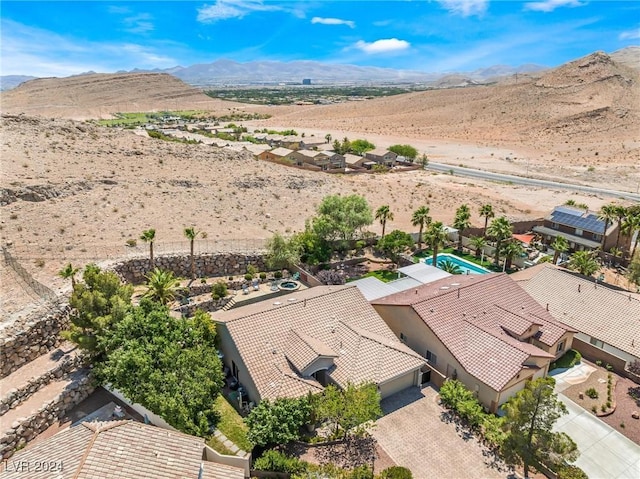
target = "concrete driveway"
x: 414, y: 435
x: 604, y: 452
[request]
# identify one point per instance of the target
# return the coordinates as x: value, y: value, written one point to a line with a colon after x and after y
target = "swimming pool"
x: 466, y: 266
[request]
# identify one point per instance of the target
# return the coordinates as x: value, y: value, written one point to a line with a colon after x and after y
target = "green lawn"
x: 569, y: 359
x: 382, y: 275
x: 231, y: 424
x: 215, y: 444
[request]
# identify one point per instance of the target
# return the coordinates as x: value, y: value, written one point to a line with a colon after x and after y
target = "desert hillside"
x: 101, y: 95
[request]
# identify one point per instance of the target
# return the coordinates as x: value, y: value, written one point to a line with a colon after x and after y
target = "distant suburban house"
x: 326, y: 160
x: 580, y: 227
x: 382, y: 157
x: 277, y: 154
x: 353, y: 161
x: 308, y: 339
x: 484, y: 330
x: 607, y: 321
x: 119, y: 450
x: 312, y: 143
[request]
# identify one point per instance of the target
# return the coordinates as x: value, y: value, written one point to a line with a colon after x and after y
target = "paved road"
x: 520, y: 180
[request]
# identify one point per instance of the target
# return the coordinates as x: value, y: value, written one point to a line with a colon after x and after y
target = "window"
x: 596, y: 342
x: 579, y: 232
x: 432, y: 358
x: 403, y: 338
x: 555, y: 226
x: 597, y: 237
x: 561, y: 346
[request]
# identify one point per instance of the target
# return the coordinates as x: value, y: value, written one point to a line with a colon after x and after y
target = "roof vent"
x: 444, y: 287
x: 277, y: 303
x: 455, y: 284
x: 431, y: 310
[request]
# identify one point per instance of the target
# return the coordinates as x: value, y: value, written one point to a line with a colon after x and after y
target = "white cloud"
x: 550, y: 5
x: 225, y: 9
x: 630, y: 35
x: 138, y: 23
x: 382, y: 46
x: 333, y: 21
x: 466, y: 8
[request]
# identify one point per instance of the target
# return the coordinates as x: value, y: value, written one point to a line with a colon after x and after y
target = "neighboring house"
x: 118, y: 450
x: 354, y: 161
x: 326, y: 160
x: 277, y: 154
x: 484, y: 330
x: 312, y: 143
x: 580, y: 227
x: 382, y: 157
x: 607, y: 321
x: 308, y: 339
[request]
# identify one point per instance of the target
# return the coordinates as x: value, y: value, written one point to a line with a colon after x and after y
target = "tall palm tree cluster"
x: 627, y: 220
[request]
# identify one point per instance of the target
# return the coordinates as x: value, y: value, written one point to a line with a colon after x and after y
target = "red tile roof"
x: 472, y: 315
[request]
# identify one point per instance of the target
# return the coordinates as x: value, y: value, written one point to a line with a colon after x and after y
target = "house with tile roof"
x: 607, y: 320
x: 303, y: 341
x: 277, y: 154
x: 381, y: 156
x: 324, y: 159
x: 118, y: 450
x: 484, y: 330
x: 582, y: 229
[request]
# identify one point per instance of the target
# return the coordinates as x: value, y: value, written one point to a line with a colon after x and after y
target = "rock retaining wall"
x: 15, y: 397
x: 25, y: 429
x: 207, y: 265
x: 32, y: 337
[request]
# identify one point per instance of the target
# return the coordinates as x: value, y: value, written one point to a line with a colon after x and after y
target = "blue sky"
x: 50, y: 38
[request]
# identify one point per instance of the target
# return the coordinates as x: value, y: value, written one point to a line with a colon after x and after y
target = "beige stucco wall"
x: 398, y: 384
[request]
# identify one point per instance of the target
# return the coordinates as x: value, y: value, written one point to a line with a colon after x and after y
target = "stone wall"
x: 15, y: 397
x: 32, y: 337
x: 25, y: 429
x: 207, y: 265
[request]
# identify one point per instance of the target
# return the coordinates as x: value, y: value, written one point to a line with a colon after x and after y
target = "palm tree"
x: 450, y: 267
x: 510, y: 250
x: 328, y: 138
x: 162, y: 286
x: 435, y: 237
x: 630, y: 226
x: 621, y: 213
x: 421, y: 218
x: 487, y: 212
x: 559, y: 245
x: 607, y: 214
x: 69, y: 272
x: 584, y: 263
x: 499, y: 230
x: 383, y: 214
x: 192, y: 234
x: 148, y: 236
x: 462, y: 222
x: 478, y: 242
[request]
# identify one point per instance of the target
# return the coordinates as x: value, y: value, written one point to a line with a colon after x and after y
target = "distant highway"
x: 520, y: 180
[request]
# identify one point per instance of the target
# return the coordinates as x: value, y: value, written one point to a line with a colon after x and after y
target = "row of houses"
x: 493, y: 332
x: 326, y: 160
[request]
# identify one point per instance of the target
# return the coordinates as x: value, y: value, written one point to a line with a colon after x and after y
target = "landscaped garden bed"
x: 596, y: 394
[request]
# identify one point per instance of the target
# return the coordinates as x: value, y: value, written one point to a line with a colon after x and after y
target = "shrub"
x: 360, y: 472
x: 396, y: 472
x: 330, y: 276
x: 609, y: 367
x: 277, y: 274
x: 598, y: 362
x: 592, y: 393
x: 252, y: 270
x: 608, y: 404
x: 248, y: 277
x: 263, y: 276
x: 594, y: 409
x: 203, y: 280
x: 275, y: 461
x: 131, y: 242
x: 603, y: 408
x: 634, y: 367
x: 219, y: 290
x: 571, y: 472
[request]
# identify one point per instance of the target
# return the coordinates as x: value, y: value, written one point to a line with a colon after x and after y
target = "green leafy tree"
x: 98, y: 302
x: 530, y: 417
x: 407, y: 151
x: 360, y: 147
x: 461, y: 222
x: 350, y: 410
x: 478, y: 242
x: 420, y: 218
x: 384, y: 214
x: 69, y: 272
x: 500, y: 230
x: 394, y: 244
x: 342, y: 147
x: 342, y: 217
x: 423, y: 160
x: 634, y: 269
x: 486, y: 211
x: 277, y: 422
x: 630, y: 226
x: 162, y: 286
x: 149, y: 236
x: 584, y: 263
x: 168, y: 365
x: 282, y: 252
x: 435, y: 238
x: 191, y: 233
x: 608, y: 214
x: 313, y: 249
x: 396, y: 472
x: 559, y: 246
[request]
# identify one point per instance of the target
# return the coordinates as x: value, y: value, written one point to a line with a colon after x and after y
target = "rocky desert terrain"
x: 75, y: 191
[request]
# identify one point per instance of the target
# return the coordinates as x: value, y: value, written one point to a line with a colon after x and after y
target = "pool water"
x: 466, y: 266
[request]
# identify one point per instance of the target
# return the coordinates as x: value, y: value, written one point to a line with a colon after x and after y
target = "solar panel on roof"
x: 588, y: 223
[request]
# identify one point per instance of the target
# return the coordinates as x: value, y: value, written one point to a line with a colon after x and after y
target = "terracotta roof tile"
x: 329, y: 319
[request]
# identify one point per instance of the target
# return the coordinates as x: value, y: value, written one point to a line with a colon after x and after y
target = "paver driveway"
x: 414, y: 435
